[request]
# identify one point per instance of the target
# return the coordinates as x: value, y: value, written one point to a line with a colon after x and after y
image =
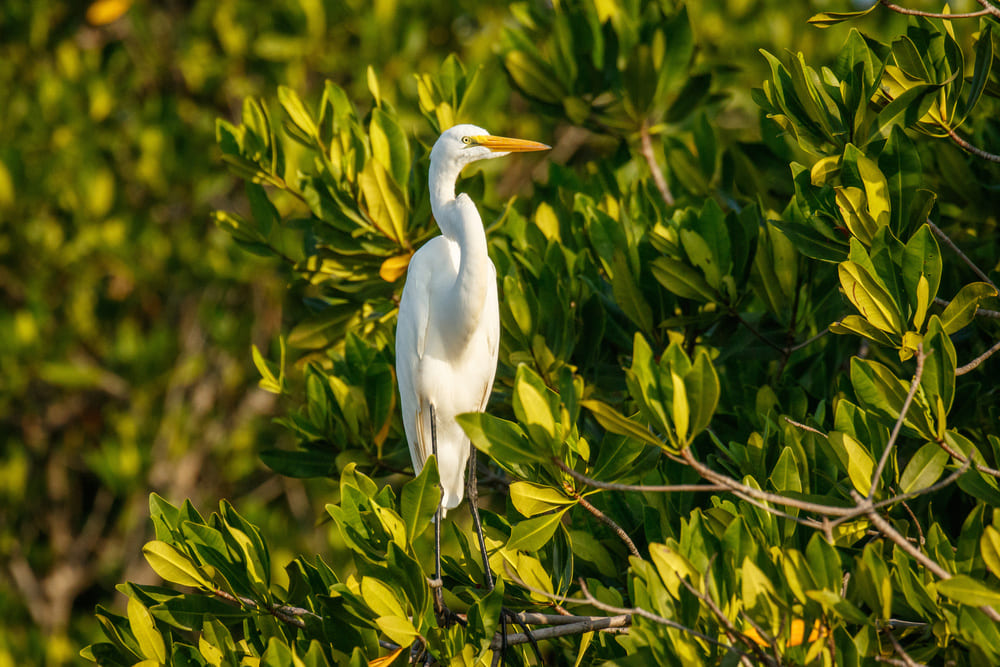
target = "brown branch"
x: 610, y: 523
x: 974, y: 364
x: 638, y: 611
x: 929, y: 563
x: 933, y: 15
x: 951, y: 244
x: 980, y: 312
x: 921, y: 357
x: 284, y: 613
x: 804, y: 427
x: 589, y: 624
x: 959, y: 456
x: 646, y: 148
x: 653, y: 488
x: 744, y: 490
x: 991, y: 8
x: 969, y: 148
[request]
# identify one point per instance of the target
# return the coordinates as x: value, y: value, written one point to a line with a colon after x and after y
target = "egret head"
x: 464, y: 144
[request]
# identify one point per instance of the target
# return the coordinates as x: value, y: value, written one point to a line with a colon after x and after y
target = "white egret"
x: 448, y: 333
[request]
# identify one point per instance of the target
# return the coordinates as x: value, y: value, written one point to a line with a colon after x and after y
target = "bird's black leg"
x: 472, y: 491
x: 439, y: 608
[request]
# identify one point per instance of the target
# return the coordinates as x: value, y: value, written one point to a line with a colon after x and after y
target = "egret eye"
x: 466, y: 140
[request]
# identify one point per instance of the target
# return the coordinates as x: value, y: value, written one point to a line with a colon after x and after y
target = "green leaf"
x: 828, y: 19
x: 963, y: 307
x: 420, y: 499
x: 872, y: 301
x: 614, y: 422
x: 501, y: 440
x: 384, y: 200
x: 173, y: 565
x: 701, y: 385
x: 628, y: 295
x: 921, y: 258
x: 533, y: 499
x: 924, y: 468
x: 531, y: 535
x: 682, y: 280
x: 143, y: 627
x: 390, y: 145
x: 785, y: 474
x: 398, y: 629
x: 191, y: 612
x: 966, y: 590
x: 380, y: 597
x: 533, y: 405
x: 989, y: 547
x: 855, y: 459
x: 301, y: 464
x: 297, y: 112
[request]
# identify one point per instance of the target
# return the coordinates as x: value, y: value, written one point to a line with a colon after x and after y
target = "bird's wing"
x: 491, y: 316
x: 411, y: 338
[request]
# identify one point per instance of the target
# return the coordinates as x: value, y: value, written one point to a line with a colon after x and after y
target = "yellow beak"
x: 508, y: 145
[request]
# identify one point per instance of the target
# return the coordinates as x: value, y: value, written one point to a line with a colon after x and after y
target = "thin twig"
x: 974, y: 364
x: 590, y: 624
x: 991, y: 8
x: 646, y: 148
x: 804, y: 427
x: 730, y: 629
x: 903, y: 497
x: 921, y: 357
x: 951, y: 244
x: 283, y: 612
x: 980, y: 312
x: 638, y: 611
x: 743, y: 489
x: 959, y: 456
x: 610, y: 523
x: 904, y: 656
x: 975, y: 150
x: 933, y: 15
x: 808, y: 341
x: 893, y: 535
x: 653, y: 488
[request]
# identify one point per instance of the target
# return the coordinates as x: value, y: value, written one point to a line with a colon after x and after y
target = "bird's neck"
x: 460, y: 223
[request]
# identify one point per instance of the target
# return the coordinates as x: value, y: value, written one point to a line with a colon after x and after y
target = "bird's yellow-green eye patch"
x: 466, y: 140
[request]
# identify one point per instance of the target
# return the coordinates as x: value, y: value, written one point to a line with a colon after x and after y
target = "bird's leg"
x: 439, y: 608
x: 472, y: 491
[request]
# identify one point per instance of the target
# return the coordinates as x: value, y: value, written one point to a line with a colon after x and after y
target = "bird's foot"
x: 445, y: 616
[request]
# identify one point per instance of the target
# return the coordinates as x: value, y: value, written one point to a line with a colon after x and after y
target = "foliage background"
x: 127, y: 316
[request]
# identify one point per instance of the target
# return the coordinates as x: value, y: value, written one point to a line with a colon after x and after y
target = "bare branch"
x: 892, y: 534
x: 974, y: 364
x: 921, y: 357
x: 653, y: 488
x: 951, y: 244
x: 934, y: 15
x: 965, y: 145
x: 804, y: 427
x: 980, y: 312
x: 609, y: 522
x: 283, y: 612
x: 959, y: 456
x: 646, y: 148
x: 589, y: 624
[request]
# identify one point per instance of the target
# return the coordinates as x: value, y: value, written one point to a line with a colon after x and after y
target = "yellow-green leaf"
x: 533, y: 499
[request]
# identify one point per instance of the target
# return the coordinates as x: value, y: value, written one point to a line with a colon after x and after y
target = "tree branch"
x: 974, y: 364
x: 933, y: 15
x: 646, y: 148
x: 969, y: 148
x: 653, y: 488
x: 951, y: 244
x: 610, y: 523
x: 921, y: 357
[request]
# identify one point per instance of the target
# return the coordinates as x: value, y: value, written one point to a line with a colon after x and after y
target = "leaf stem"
x: 609, y: 522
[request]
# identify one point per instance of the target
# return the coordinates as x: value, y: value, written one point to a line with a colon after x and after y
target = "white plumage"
x: 448, y: 333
